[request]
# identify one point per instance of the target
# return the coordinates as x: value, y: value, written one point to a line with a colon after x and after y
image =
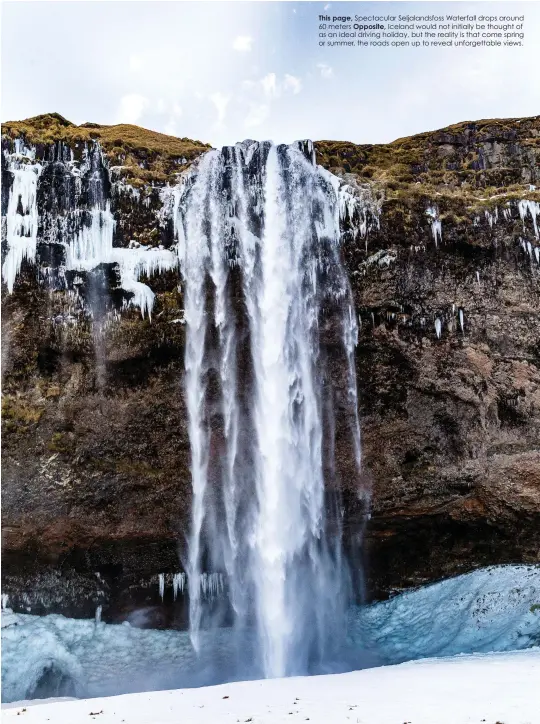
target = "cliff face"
x: 443, y: 259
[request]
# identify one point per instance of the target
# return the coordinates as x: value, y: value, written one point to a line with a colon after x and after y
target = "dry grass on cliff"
x: 449, y: 161
x: 140, y: 155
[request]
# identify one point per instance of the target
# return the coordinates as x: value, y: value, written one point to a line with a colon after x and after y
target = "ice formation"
x: 264, y: 219
x: 356, y: 206
x: 93, y: 245
x: 436, y: 224
x: 531, y: 208
x: 381, y: 258
x: 493, y: 609
x: 21, y: 215
x: 533, y: 252
x: 86, y: 235
x: 438, y: 327
x: 492, y: 217
x: 178, y: 583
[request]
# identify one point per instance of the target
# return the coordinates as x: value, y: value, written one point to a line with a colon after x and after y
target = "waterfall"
x: 269, y: 368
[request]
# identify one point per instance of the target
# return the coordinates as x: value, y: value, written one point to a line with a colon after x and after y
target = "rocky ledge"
x: 444, y: 261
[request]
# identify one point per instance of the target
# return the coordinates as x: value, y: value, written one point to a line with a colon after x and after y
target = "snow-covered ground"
x: 494, y: 609
x: 464, y: 689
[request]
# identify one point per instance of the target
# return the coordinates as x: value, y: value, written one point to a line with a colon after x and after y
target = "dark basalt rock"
x: 96, y: 480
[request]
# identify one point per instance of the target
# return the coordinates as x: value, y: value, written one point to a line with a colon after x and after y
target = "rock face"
x: 444, y: 264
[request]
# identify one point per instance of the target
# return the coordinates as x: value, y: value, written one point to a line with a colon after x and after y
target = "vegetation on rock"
x: 473, y: 164
x: 140, y: 156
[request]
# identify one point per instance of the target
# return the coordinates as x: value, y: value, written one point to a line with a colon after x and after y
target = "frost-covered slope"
x: 494, y: 609
x: 482, y: 688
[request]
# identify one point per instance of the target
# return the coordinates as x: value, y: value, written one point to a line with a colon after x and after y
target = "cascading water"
x: 269, y: 316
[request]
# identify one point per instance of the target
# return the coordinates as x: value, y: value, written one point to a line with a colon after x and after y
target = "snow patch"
x: 461, y: 690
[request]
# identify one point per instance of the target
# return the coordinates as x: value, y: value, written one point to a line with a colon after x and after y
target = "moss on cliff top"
x: 140, y: 155
x: 494, y: 155
x: 484, y: 158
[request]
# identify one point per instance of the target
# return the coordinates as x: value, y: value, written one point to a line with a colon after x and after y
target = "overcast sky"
x: 222, y: 72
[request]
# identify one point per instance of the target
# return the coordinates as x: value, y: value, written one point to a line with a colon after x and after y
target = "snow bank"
x: 480, y: 688
x: 494, y: 609
x: 91, y: 658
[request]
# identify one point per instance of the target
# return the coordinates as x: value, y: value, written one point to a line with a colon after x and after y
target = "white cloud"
x: 257, y: 114
x: 292, y: 83
x: 243, y: 43
x: 261, y: 94
x: 325, y: 70
x: 270, y: 87
x: 131, y: 108
x: 221, y: 102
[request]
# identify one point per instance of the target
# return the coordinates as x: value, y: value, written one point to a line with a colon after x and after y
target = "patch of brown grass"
x: 144, y: 156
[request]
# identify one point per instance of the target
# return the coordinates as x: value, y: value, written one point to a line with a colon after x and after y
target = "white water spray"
x: 259, y: 245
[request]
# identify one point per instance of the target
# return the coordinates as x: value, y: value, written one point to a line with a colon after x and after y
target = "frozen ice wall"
x: 494, y: 609
x: 21, y: 221
x: 77, y: 217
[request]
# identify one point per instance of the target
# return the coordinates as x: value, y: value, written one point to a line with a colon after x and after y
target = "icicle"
x: 461, y: 320
x: 99, y: 609
x: 179, y: 582
x: 161, y: 581
x: 211, y: 585
x: 91, y: 245
x: 436, y: 224
x: 355, y: 205
x: 438, y: 328
x: 530, y: 207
